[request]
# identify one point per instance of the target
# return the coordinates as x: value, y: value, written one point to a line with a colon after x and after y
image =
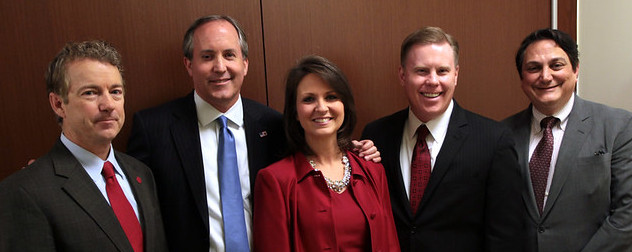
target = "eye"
x: 88, y: 93
x: 443, y: 71
x: 331, y: 97
x: 230, y: 55
x: 307, y: 99
x: 117, y: 91
x: 206, y: 57
x: 421, y: 71
x: 558, y: 66
x: 532, y: 68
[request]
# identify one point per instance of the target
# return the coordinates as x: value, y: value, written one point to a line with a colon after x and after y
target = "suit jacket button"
x: 540, y: 229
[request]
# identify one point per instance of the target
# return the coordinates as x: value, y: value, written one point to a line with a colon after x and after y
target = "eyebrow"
x: 95, y: 86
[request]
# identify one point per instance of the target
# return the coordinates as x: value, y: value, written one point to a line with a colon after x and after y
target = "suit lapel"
x: 454, y: 138
x: 577, y: 129
x: 186, y: 138
x: 82, y: 189
x: 522, y: 131
x: 141, y: 194
x: 390, y: 152
x: 253, y: 128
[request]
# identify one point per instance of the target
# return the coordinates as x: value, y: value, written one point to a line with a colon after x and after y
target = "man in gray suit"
x: 578, y: 169
x: 62, y: 202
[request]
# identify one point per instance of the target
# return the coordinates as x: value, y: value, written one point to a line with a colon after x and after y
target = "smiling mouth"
x: 322, y: 120
x: 431, y: 95
x: 220, y: 80
x: 551, y: 87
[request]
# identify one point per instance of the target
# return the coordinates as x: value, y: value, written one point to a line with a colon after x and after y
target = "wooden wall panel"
x: 364, y: 37
x: 147, y: 33
x: 567, y: 17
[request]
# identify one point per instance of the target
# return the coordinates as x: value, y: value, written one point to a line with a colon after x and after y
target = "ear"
x: 456, y: 74
x: 402, y: 75
x: 187, y: 65
x: 57, y: 104
x: 245, y: 66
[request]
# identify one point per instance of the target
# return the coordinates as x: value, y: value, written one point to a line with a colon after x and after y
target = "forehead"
x: 544, y: 50
x: 83, y: 72
x: 215, y: 33
x: 312, y: 82
x: 431, y: 52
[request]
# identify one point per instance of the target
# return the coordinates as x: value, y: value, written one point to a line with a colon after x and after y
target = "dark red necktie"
x: 541, y: 161
x: 122, y: 208
x: 419, y: 169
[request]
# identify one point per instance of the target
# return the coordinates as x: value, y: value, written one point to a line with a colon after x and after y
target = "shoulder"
x: 482, y: 123
x: 397, y: 116
x: 39, y: 174
x: 184, y: 103
x: 371, y: 168
x: 131, y: 162
x: 283, y: 167
x: 282, y: 173
x: 518, y: 119
x: 261, y: 113
x: 253, y: 106
x: 605, y: 113
x: 394, y: 120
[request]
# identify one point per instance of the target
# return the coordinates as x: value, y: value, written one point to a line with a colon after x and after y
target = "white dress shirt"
x: 558, y: 132
x: 209, y: 139
x: 94, y: 165
x: 438, y: 128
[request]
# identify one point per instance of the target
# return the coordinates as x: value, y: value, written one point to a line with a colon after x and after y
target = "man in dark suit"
x: 457, y: 186
x: 62, y: 202
x: 581, y: 201
x: 180, y: 142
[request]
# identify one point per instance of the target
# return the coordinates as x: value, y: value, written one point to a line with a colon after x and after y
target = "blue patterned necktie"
x: 235, y: 234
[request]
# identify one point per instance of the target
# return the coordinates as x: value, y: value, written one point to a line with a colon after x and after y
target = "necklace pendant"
x: 338, y: 186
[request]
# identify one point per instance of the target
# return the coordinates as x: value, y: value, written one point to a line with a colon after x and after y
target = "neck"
x: 326, y: 150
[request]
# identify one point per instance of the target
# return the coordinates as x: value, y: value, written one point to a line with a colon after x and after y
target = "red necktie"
x: 122, y: 208
x: 420, y: 168
x: 541, y: 161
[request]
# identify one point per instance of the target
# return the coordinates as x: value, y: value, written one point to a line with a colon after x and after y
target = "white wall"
x: 604, y: 36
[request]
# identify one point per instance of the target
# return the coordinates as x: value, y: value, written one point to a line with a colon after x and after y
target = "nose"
x: 321, y: 106
x: 547, y: 74
x: 433, y: 78
x: 106, y: 102
x: 219, y: 66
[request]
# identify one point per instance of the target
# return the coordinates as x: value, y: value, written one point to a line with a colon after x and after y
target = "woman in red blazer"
x: 323, y: 196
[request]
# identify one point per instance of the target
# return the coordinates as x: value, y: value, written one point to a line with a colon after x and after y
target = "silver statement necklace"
x: 337, y: 186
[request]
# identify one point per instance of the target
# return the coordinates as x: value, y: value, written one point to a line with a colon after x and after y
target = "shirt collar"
x: 206, y: 113
x: 90, y: 162
x: 438, y: 127
x: 562, y: 114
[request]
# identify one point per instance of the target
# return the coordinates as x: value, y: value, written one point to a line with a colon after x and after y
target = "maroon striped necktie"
x: 420, y: 168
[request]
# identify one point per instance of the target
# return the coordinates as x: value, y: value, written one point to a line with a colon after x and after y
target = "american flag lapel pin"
x: 263, y: 133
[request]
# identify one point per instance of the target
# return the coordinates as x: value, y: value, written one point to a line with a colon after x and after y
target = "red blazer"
x: 290, y: 190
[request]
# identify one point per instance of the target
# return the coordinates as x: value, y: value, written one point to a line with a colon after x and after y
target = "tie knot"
x: 548, y: 122
x: 422, y: 132
x: 222, y: 121
x: 108, y: 170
